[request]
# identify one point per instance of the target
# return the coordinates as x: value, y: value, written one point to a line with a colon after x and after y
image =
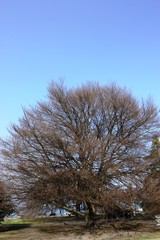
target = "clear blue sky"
x: 78, y: 40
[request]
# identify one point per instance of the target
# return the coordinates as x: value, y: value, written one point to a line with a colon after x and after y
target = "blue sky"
x: 78, y: 40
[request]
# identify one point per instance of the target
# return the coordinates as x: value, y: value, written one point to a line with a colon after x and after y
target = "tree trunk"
x: 78, y: 207
x: 90, y: 216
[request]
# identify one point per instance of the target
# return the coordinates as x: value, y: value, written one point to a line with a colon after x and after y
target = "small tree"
x: 84, y: 146
x: 150, y: 193
x: 6, y: 206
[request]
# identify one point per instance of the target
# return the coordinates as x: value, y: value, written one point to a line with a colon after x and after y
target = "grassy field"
x: 69, y: 229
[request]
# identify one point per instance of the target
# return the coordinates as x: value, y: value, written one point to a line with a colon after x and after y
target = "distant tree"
x: 155, y: 156
x: 150, y: 192
x: 6, y: 206
x: 82, y: 147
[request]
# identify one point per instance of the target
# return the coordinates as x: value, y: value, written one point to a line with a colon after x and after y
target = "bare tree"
x: 83, y: 146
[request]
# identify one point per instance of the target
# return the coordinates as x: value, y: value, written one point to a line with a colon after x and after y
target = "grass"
x: 55, y: 228
x: 16, y: 221
x: 142, y: 237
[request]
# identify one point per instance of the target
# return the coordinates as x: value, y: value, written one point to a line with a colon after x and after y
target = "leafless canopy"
x: 83, y: 146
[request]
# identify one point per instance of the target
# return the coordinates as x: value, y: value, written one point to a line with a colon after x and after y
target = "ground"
x: 71, y: 229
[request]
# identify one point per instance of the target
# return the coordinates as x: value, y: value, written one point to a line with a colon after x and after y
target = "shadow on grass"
x: 9, y: 227
x: 78, y: 227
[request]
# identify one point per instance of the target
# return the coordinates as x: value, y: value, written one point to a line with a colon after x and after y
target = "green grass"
x: 16, y: 221
x: 33, y: 220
